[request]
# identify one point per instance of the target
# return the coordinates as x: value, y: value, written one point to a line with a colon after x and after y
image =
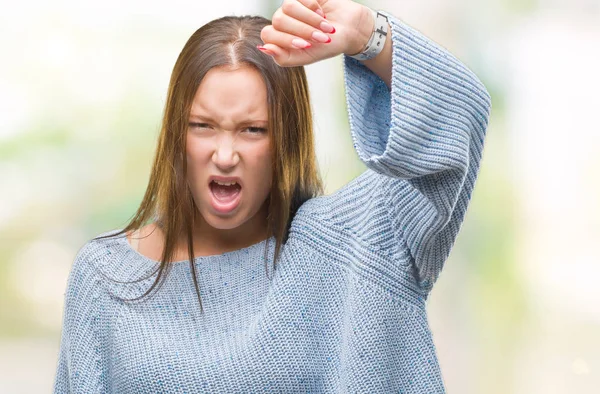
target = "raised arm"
x: 425, y: 134
x: 418, y: 118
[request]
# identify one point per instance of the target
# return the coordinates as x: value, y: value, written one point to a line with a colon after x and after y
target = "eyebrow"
x: 243, y: 123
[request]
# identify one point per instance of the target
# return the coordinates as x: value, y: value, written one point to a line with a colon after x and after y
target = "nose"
x: 225, y: 155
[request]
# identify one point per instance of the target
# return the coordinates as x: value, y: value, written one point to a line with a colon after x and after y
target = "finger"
x: 280, y: 55
x: 282, y: 39
x: 288, y: 58
x: 294, y: 32
x: 296, y: 10
x: 303, y: 11
x: 312, y: 5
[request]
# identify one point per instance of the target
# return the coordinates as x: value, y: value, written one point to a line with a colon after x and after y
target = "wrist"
x: 363, y: 31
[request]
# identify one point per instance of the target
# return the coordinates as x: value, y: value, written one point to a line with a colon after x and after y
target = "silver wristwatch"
x: 377, y: 40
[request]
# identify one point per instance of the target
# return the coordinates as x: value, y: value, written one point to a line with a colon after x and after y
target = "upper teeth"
x: 224, y: 183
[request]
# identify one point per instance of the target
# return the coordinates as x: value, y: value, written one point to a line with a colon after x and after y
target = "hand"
x: 301, y: 35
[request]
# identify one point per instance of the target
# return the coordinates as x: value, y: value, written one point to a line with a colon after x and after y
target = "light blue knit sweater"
x: 345, y: 310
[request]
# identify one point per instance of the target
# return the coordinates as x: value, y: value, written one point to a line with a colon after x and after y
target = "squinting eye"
x: 256, y: 130
x: 199, y: 125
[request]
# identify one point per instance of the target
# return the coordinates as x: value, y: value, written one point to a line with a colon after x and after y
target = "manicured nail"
x: 300, y: 43
x: 265, y: 50
x: 321, y: 37
x: 321, y: 13
x: 327, y: 28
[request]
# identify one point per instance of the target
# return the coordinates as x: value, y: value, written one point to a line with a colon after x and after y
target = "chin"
x: 223, y: 222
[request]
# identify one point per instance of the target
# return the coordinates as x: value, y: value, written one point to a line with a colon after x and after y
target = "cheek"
x: 262, y: 172
x: 196, y: 172
x: 197, y: 156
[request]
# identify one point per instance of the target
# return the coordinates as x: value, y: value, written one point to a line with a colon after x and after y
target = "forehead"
x: 229, y: 95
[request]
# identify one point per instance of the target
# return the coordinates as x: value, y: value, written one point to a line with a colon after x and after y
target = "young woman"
x: 235, y: 275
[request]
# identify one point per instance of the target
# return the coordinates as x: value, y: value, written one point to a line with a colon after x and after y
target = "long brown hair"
x: 229, y: 41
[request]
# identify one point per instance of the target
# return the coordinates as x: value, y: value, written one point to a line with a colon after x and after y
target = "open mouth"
x: 226, y: 195
x: 225, y: 191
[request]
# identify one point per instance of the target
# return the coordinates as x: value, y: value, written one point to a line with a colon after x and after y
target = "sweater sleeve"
x: 80, y: 363
x: 422, y: 142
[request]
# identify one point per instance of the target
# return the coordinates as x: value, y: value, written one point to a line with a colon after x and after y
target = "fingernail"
x: 321, y: 13
x: 300, y: 43
x: 265, y: 50
x: 327, y: 28
x: 321, y: 37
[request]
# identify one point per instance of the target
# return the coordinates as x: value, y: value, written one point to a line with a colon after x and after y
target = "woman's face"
x: 229, y: 151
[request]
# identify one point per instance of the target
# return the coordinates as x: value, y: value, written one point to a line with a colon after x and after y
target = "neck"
x: 209, y: 240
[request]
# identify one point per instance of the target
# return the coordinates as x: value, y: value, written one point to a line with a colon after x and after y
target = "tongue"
x: 225, y: 193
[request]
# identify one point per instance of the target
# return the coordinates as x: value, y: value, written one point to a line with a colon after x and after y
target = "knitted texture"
x: 345, y: 310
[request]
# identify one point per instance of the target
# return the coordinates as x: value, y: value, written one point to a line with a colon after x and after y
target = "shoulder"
x: 85, y: 283
x: 107, y: 265
x: 97, y: 251
x: 100, y: 246
x: 94, y: 256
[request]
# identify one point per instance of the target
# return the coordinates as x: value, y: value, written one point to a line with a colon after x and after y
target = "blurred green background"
x: 517, y: 307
